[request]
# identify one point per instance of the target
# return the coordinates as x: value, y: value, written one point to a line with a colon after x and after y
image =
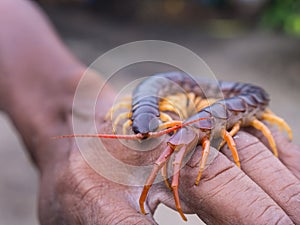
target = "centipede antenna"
x: 194, y: 121
x: 166, y: 131
x: 112, y: 136
x: 176, y: 127
x: 120, y: 136
x: 129, y: 137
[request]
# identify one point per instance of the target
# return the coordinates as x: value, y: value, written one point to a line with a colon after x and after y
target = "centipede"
x: 231, y: 106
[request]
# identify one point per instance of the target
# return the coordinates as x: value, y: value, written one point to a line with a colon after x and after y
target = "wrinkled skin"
x: 38, y: 98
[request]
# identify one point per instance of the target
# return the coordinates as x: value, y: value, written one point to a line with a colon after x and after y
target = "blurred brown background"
x: 249, y: 41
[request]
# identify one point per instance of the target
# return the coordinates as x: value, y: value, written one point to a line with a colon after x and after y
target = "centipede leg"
x: 232, y: 146
x: 191, y: 97
x: 193, y: 102
x: 266, y: 132
x: 121, y: 116
x: 160, y: 162
x: 204, y: 103
x: 175, y: 182
x: 126, y: 125
x: 170, y: 124
x: 179, y: 103
x: 197, y: 101
x: 165, y: 117
x: 236, y: 127
x: 190, y: 101
x: 171, y: 108
x: 119, y: 105
x: 164, y: 174
x: 205, y: 152
x: 272, y: 118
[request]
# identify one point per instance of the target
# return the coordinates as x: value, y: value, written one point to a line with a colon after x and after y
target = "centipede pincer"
x: 243, y: 105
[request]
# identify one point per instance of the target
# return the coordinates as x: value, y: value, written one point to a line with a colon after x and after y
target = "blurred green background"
x: 283, y: 16
x: 279, y: 15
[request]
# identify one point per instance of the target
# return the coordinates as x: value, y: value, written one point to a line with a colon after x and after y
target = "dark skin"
x: 38, y: 78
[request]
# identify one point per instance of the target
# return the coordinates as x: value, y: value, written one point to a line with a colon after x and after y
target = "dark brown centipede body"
x: 146, y: 97
x: 248, y: 102
x: 240, y: 97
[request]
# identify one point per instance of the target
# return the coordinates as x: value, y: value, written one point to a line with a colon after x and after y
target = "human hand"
x: 72, y: 192
x: 38, y: 80
x: 265, y: 191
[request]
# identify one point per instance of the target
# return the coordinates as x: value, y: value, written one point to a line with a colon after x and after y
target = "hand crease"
x: 293, y: 196
x: 282, y: 189
x: 86, y: 192
x: 248, y: 159
x: 280, y: 219
x: 223, y: 185
x: 253, y: 201
x: 218, y: 173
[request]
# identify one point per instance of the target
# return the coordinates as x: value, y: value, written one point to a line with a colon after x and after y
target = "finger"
x: 288, y: 152
x: 269, y: 173
x: 226, y: 195
x: 160, y: 193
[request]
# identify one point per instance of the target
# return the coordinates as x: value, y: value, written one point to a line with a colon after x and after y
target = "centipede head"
x: 145, y: 123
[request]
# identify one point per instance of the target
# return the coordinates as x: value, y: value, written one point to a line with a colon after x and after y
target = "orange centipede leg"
x: 175, y: 182
x: 168, y: 107
x: 266, y: 132
x: 205, y: 153
x: 205, y: 102
x: 157, y: 166
x: 197, y: 101
x: 172, y: 123
x: 125, y: 126
x: 272, y: 118
x: 121, y: 116
x: 231, y: 144
x: 118, y: 106
x: 236, y: 127
x: 164, y: 174
x: 165, y: 117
